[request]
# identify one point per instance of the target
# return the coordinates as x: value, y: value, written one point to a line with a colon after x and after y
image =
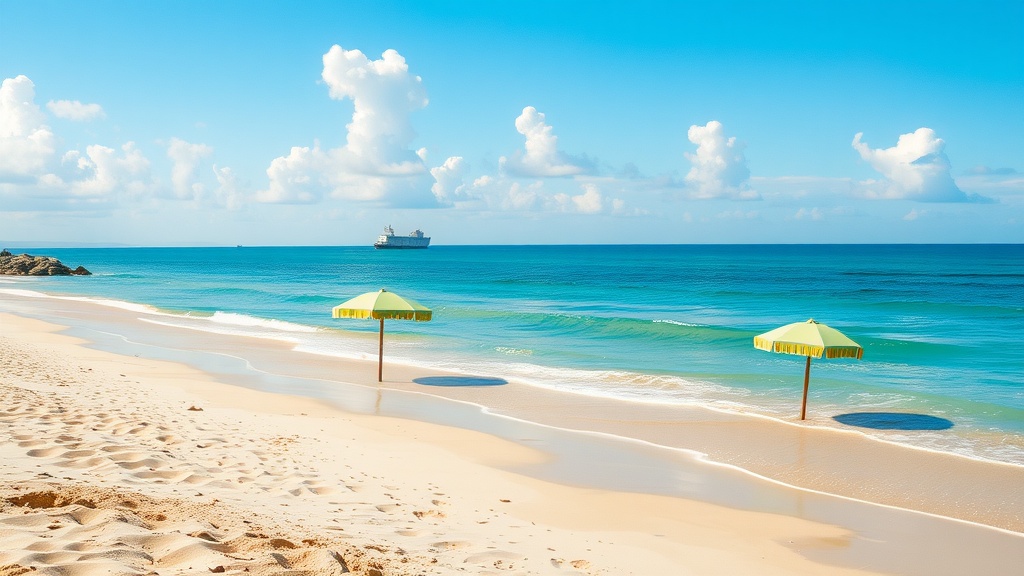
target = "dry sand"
x: 114, y: 464
x: 117, y: 465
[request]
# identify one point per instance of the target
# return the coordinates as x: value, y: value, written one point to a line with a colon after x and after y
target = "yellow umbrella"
x: 380, y: 306
x: 810, y: 339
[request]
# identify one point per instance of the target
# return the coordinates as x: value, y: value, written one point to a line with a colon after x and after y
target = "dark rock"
x: 28, y: 265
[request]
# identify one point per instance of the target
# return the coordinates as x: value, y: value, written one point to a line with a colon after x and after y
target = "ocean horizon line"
x: 101, y: 245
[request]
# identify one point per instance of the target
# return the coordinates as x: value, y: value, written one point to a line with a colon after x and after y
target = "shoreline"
x: 117, y: 463
x: 966, y: 438
x: 800, y: 455
x: 501, y: 400
x: 793, y: 454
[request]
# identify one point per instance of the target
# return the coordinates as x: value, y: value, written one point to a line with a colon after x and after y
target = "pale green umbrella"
x: 381, y: 305
x: 810, y: 339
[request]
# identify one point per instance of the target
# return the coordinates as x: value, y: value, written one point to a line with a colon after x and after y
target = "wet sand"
x: 617, y: 500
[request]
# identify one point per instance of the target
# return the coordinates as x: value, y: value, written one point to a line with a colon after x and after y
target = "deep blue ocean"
x: 941, y: 326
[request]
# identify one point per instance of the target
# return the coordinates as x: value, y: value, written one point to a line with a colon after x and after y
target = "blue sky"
x: 222, y: 123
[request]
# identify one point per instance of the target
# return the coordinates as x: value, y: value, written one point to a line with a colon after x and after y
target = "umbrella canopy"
x: 381, y: 305
x: 811, y: 339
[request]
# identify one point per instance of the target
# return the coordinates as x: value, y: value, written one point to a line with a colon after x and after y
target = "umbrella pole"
x: 807, y: 380
x: 380, y: 355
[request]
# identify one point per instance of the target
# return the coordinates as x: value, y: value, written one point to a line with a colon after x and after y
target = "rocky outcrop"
x: 27, y: 265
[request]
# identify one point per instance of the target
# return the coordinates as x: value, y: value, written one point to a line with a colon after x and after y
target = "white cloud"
x: 102, y: 173
x: 377, y: 162
x: 27, y: 144
x: 916, y: 168
x: 228, y: 192
x: 185, y: 168
x: 297, y: 178
x: 504, y: 194
x: 383, y: 94
x: 541, y: 157
x: 449, y: 183
x: 719, y: 168
x: 521, y: 197
x: 589, y: 202
x: 75, y: 110
x: 514, y: 195
x: 47, y: 179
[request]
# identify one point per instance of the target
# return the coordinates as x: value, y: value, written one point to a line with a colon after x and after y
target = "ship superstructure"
x: 415, y: 239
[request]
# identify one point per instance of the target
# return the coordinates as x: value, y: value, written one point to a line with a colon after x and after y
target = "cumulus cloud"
x: 377, y: 162
x: 518, y: 196
x: 185, y: 159
x: 27, y: 144
x: 98, y: 177
x: 34, y: 169
x: 228, y: 191
x: 298, y: 178
x: 449, y: 184
x: 75, y: 110
x: 499, y: 193
x: 383, y: 93
x: 916, y: 168
x: 541, y: 157
x: 589, y: 202
x: 719, y: 168
x: 103, y: 172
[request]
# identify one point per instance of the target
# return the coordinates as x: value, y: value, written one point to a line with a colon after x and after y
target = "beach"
x: 135, y: 447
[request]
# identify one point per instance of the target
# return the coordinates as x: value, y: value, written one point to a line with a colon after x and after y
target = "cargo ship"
x: 415, y: 239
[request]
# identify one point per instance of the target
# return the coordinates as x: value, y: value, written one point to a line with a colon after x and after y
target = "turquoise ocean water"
x: 941, y: 326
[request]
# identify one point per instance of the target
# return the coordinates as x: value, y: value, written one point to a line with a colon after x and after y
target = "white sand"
x: 118, y: 465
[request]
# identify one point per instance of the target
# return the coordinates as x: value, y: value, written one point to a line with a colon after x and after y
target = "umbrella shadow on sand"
x: 893, y: 421
x: 460, y: 381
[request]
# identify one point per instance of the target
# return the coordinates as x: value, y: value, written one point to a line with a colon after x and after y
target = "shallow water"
x: 669, y: 324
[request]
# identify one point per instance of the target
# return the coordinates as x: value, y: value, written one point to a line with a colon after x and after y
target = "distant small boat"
x: 415, y: 239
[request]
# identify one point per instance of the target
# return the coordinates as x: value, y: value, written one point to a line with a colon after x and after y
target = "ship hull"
x: 388, y: 240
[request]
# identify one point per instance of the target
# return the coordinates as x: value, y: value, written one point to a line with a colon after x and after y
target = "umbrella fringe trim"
x: 808, y: 350
x: 857, y: 353
x: 389, y: 315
